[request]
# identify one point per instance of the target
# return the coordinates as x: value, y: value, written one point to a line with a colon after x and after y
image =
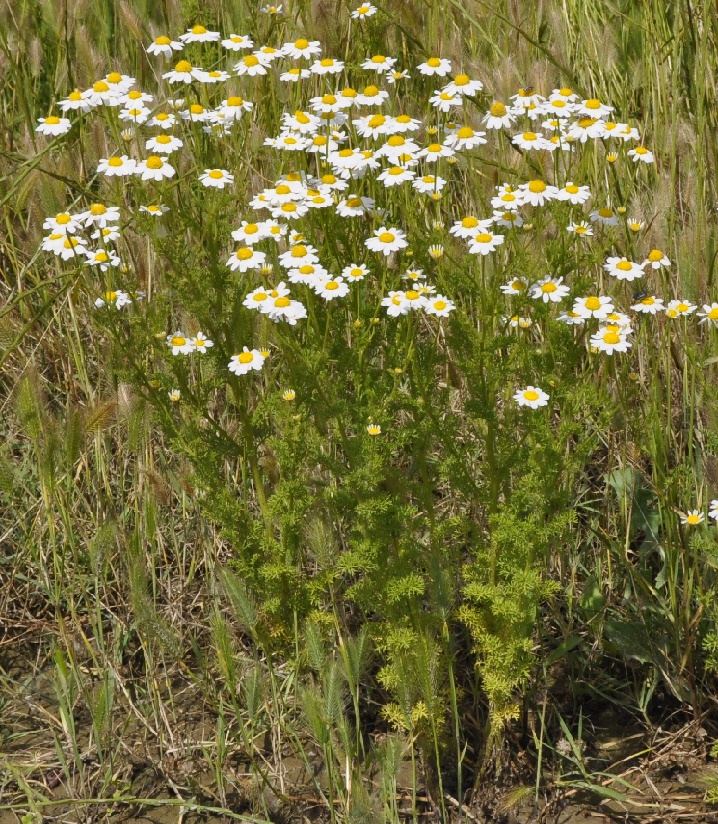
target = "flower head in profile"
x: 374, y: 429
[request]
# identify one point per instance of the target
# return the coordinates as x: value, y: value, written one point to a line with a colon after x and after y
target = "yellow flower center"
x: 529, y: 136
x: 353, y: 202
x: 434, y: 148
x: 682, y: 307
x: 346, y: 152
x: 75, y: 95
x: 655, y: 255
x: 100, y: 86
x: 281, y: 303
x: 348, y: 92
x: 571, y: 189
x: 469, y: 222
x: 163, y: 40
x: 371, y: 91
x: 433, y: 62
x: 52, y: 120
x: 412, y: 295
x: 306, y: 269
x: 183, y: 67
x: 63, y: 218
x: 154, y: 162
x: 593, y: 304
x: 465, y: 132
x: 585, y: 122
x: 356, y: 273
x: 282, y: 189
x: 162, y: 116
x: 115, y: 161
x: 246, y: 357
x: 624, y: 265
x: 329, y: 99
x: 713, y: 314
x: 301, y: 43
x: 299, y: 251
x: 395, y: 171
x: 558, y: 104
x: 101, y: 257
x: 244, y: 254
x: 216, y: 174
x: 178, y: 340
x: 396, y: 140
x: 508, y: 197
x: 378, y: 59
x: 649, y: 301
x: 497, y: 109
x: 611, y: 338
x: 289, y: 207
x: 386, y: 237
x: 484, y: 238
x: 693, y: 519
x: 518, y: 285
x: 114, y: 77
x: 537, y: 186
x: 251, y: 60
x: 163, y: 138
x: 641, y: 150
x: 461, y: 80
x: 593, y: 103
x: 97, y: 209
x: 548, y: 287
x: 439, y: 304
x: 403, y: 118
x: 604, y: 212
x: 530, y: 395
x: 110, y: 296
x: 331, y: 285
x: 375, y: 121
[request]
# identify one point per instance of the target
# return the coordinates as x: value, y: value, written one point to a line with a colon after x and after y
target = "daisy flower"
x: 386, y: 240
x: 549, y: 289
x: 250, y: 233
x: 163, y: 144
x: 75, y: 102
x: 237, y: 42
x: 434, y: 151
x: 117, y: 166
x: 610, y: 339
x: 594, y: 108
x: 379, y: 63
x: 301, y: 48
x: 396, y: 175
x: 179, y: 344
x: 354, y: 206
x: 649, y: 305
x: 582, y: 229
x: 395, y: 76
x: 640, y: 153
x: 586, y: 128
x: 294, y: 75
x: 154, y: 168
x: 183, y: 72
x: 713, y: 510
x: 199, y: 34
x: 709, y: 314
x: 53, y: 125
x: 217, y: 178
x: 103, y: 259
x: 245, y: 258
x: 445, y: 101
x: 438, y: 305
x: 63, y: 223
x: 656, y: 259
x: 692, y: 518
x: 576, y: 195
x: 70, y: 247
x: 395, y: 304
x: 247, y: 360
x: 463, y: 85
x: 677, y: 308
x: 532, y: 396
x: 428, y: 184
x: 498, y: 116
x: 328, y: 65
x: 484, y: 242
x: 250, y: 65
x: 593, y: 306
x: 517, y: 286
x: 164, y: 45
x: 271, y: 9
x: 468, y: 226
x: 118, y: 299
x: 435, y: 67
x: 372, y: 96
x: 537, y: 193
x: 200, y: 343
x: 332, y: 288
x: 465, y: 139
x: 623, y: 269
x: 571, y: 318
x: 365, y: 10
x: 508, y: 218
x: 163, y: 120
x: 605, y: 215
x: 355, y: 272
x: 155, y: 210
